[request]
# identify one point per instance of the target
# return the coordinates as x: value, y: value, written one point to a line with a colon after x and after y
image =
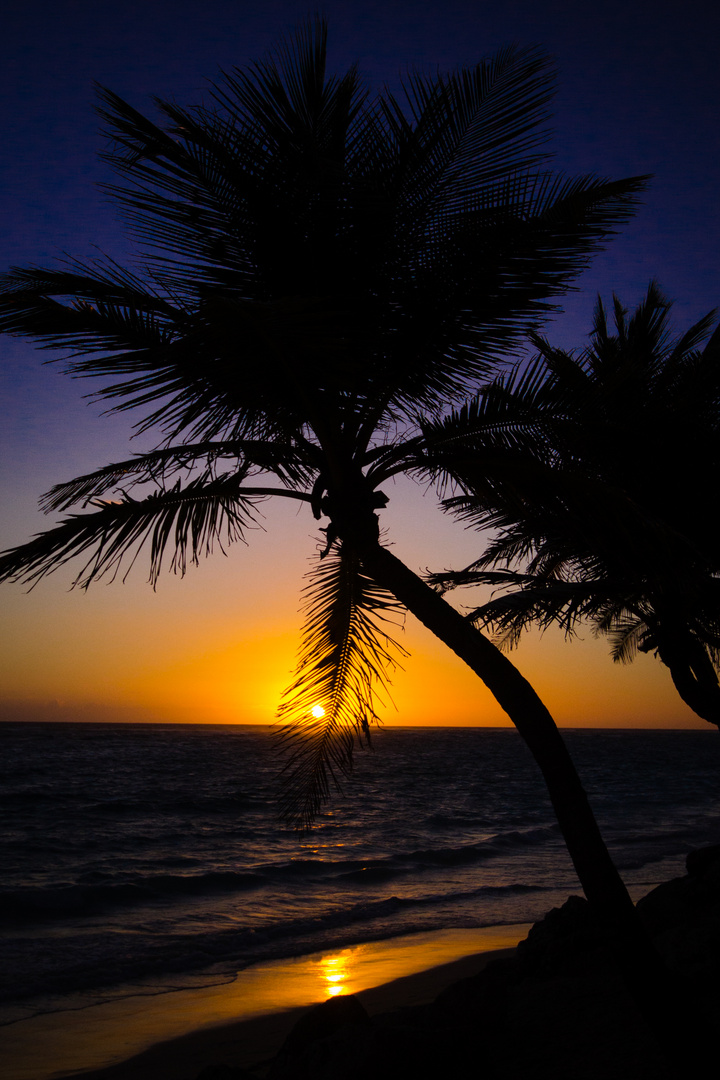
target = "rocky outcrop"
x: 683, y: 917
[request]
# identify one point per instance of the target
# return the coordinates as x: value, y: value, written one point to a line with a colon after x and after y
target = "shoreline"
x: 174, y: 1036
x: 252, y: 1042
x: 556, y: 1006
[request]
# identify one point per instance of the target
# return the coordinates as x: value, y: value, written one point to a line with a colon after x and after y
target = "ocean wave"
x: 415, y: 861
x: 33, y: 902
x: 485, y: 849
x: 98, y: 963
x: 95, y: 960
x: 371, y: 875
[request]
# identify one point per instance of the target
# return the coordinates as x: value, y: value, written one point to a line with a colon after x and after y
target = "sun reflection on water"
x: 334, y: 969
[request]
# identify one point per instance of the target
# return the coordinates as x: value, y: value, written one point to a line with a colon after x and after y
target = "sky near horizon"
x: 637, y: 93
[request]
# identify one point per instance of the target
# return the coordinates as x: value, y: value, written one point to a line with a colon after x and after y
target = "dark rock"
x: 224, y: 1072
x: 562, y: 941
x: 325, y: 1020
x: 704, y: 863
x: 331, y: 1037
x: 483, y: 996
x: 343, y: 1043
x: 683, y: 917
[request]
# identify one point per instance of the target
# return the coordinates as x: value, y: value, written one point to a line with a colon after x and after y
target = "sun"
x: 317, y: 711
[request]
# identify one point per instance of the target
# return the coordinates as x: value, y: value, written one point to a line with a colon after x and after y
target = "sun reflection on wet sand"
x: 335, y: 973
x: 100, y: 1035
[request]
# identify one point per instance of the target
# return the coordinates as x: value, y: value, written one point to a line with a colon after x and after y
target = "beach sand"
x: 174, y: 1036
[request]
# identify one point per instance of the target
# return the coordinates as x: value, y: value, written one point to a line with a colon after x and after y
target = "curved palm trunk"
x: 599, y: 878
x: 644, y: 973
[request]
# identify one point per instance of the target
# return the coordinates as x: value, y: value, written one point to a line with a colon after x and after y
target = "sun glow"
x: 317, y: 711
x: 335, y: 972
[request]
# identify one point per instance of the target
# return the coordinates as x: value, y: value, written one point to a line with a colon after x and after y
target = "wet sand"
x: 173, y: 1036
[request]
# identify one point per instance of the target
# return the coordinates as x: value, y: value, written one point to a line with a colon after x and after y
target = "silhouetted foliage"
x: 602, y: 493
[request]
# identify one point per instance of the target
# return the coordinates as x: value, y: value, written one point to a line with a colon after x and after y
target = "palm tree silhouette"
x: 321, y: 270
x: 612, y: 522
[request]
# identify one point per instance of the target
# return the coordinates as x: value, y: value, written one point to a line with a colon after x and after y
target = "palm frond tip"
x: 344, y: 664
x: 190, y: 520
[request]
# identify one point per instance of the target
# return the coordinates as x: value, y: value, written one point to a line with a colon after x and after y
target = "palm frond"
x: 508, y: 415
x: 189, y: 521
x: 345, y: 661
x: 626, y: 632
x: 156, y: 467
x: 87, y: 308
x: 596, y: 481
x: 290, y: 97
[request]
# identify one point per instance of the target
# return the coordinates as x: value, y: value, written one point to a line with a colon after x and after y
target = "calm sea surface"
x: 144, y: 858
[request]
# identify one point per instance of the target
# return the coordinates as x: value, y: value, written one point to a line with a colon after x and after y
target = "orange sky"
x: 218, y: 646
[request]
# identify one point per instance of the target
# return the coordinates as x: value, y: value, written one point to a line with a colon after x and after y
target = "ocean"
x: 148, y: 858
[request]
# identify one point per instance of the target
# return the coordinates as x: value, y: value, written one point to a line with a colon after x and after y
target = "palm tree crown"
x: 319, y: 270
x: 601, y: 494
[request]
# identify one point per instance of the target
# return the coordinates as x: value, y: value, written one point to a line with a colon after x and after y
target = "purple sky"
x: 638, y: 92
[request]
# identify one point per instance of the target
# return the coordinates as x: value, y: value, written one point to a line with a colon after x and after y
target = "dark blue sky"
x: 638, y: 92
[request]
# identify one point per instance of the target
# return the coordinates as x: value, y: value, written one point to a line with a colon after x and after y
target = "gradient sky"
x: 638, y: 93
